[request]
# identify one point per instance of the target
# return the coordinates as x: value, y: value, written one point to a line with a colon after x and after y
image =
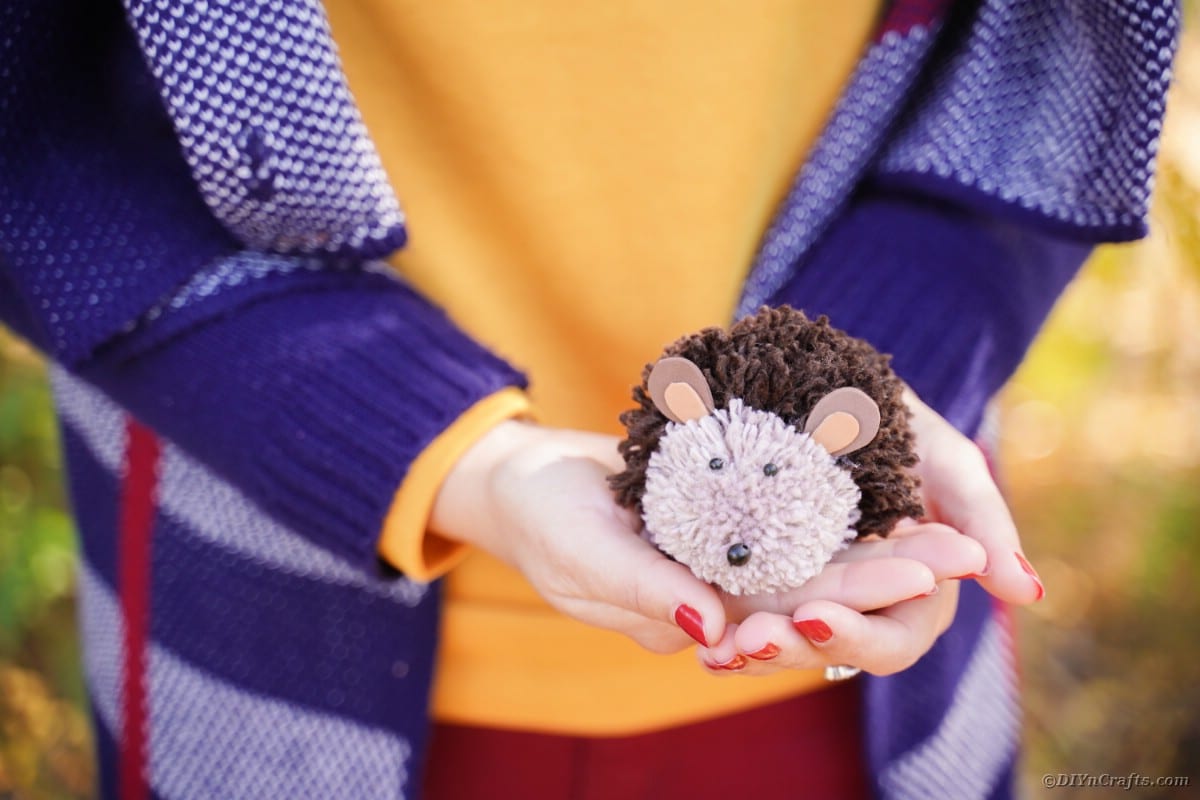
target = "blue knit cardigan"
x: 190, y: 208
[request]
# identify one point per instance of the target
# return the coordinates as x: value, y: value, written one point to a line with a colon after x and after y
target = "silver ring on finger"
x: 841, y: 672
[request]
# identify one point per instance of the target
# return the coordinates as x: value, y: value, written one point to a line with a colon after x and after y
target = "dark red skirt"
x: 807, y: 747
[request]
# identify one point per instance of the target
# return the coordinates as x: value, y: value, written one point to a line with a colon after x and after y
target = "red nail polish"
x: 983, y: 573
x: 813, y: 629
x: 768, y: 652
x: 1031, y: 572
x: 932, y: 591
x: 689, y: 619
x: 732, y: 665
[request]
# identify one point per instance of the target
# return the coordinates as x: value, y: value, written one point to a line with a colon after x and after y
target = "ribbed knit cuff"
x: 314, y: 402
x: 954, y: 297
x: 406, y: 542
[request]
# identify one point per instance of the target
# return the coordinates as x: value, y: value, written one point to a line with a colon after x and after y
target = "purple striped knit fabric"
x: 188, y: 208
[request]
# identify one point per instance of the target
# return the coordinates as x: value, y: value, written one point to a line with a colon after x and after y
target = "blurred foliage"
x: 45, y: 740
x: 1101, y: 444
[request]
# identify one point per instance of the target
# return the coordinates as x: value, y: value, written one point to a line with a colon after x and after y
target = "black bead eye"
x: 716, y: 464
x: 770, y: 469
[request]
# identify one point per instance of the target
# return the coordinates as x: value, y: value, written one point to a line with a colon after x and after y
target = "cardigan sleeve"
x: 310, y: 383
x: 954, y: 295
x: 1030, y: 132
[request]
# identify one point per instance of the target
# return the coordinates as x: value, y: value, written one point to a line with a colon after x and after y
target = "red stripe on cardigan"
x: 136, y: 527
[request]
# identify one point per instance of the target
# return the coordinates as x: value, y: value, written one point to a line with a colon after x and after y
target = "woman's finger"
x: 959, y: 490
x: 581, y: 555
x: 861, y: 585
x: 722, y: 656
x: 882, y: 644
x: 653, y: 635
x: 630, y: 574
x: 823, y: 633
x: 932, y: 614
x: 762, y: 644
x: 943, y: 549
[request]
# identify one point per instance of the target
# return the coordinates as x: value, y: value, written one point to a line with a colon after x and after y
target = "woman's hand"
x: 537, y: 498
x: 969, y: 534
x: 958, y: 489
x: 880, y: 605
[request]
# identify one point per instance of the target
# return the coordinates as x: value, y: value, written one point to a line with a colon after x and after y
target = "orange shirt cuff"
x: 405, y: 543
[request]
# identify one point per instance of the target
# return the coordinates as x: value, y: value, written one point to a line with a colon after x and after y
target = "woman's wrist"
x: 465, y: 509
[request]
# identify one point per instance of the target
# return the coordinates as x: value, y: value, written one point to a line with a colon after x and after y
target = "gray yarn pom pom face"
x: 747, y: 502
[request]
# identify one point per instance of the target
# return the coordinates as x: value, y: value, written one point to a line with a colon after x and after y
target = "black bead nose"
x: 739, y: 554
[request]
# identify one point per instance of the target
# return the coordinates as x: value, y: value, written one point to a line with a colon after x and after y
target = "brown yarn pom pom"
x: 778, y: 360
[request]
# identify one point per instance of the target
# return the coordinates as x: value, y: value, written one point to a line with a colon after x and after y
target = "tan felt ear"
x: 683, y: 402
x: 678, y: 389
x: 843, y: 421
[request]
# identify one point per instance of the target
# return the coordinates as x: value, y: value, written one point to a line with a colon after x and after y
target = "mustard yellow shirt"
x: 584, y: 183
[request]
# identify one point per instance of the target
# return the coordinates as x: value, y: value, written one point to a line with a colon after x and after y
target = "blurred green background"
x: 1101, y: 449
x: 45, y: 742
x: 1101, y: 452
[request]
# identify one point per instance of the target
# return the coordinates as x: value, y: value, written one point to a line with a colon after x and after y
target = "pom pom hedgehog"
x: 755, y: 454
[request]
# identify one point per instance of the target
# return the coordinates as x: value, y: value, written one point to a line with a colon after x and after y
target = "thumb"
x: 591, y: 551
x: 660, y: 589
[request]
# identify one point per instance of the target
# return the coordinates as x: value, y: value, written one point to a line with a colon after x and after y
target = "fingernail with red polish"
x: 983, y: 573
x: 813, y: 629
x: 932, y: 591
x: 732, y: 665
x: 736, y: 663
x: 689, y: 619
x: 768, y: 652
x: 1031, y: 572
